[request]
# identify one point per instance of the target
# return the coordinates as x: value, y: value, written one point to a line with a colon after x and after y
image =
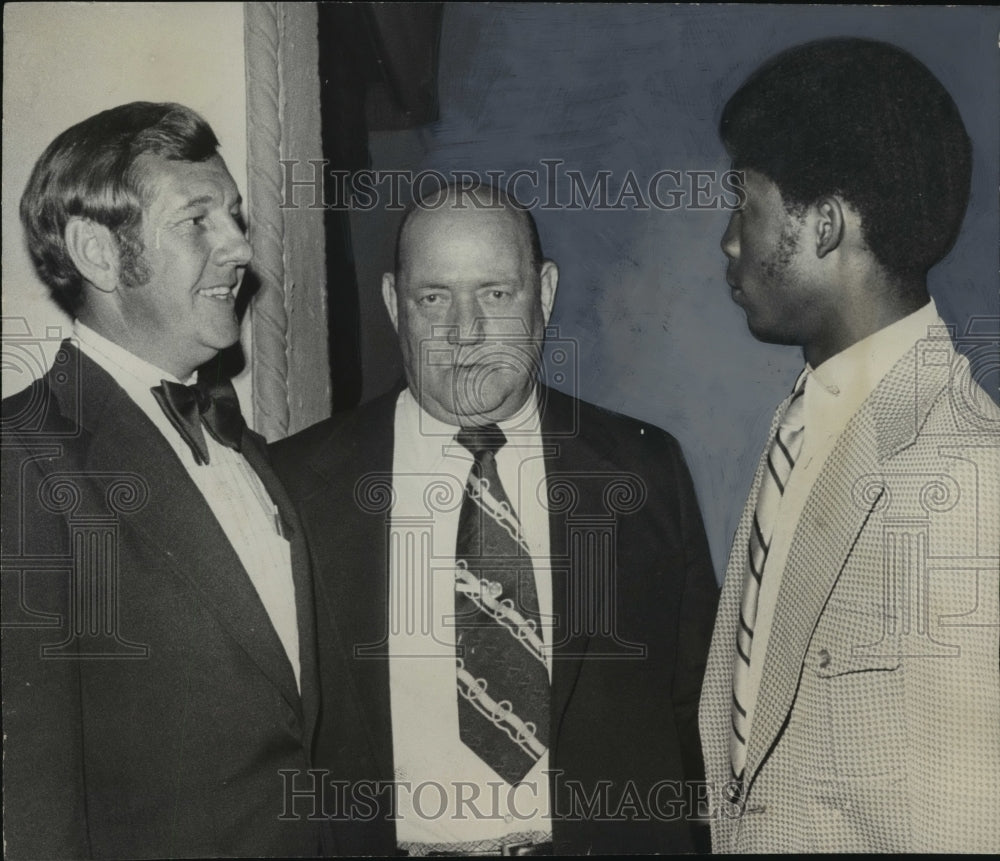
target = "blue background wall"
x: 642, y: 294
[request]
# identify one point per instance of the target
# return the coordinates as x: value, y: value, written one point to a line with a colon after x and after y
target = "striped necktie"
x: 503, y: 682
x: 781, y: 457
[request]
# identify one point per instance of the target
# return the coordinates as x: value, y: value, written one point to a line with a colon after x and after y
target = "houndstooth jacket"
x: 878, y: 718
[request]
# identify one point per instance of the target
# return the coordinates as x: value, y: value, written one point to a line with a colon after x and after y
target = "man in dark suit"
x: 158, y: 633
x: 522, y: 579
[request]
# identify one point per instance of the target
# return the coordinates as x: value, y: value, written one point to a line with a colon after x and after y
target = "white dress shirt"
x: 233, y: 491
x: 834, y: 392
x: 445, y: 793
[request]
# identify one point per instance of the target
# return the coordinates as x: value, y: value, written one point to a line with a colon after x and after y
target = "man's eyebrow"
x: 431, y: 285
x: 194, y: 202
x: 205, y: 200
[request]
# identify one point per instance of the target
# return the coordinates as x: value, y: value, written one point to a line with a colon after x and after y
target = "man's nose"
x: 730, y: 239
x: 466, y: 323
x: 233, y: 248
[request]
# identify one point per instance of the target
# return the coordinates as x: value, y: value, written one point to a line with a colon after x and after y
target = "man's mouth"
x: 223, y: 293
x: 465, y: 370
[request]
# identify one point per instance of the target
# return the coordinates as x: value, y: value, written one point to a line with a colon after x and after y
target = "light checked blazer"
x: 878, y: 719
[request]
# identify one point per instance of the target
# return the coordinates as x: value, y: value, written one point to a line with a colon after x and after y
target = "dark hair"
x: 497, y: 199
x: 90, y: 171
x: 867, y: 121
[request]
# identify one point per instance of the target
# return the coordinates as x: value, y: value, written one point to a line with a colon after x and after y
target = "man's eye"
x: 198, y: 220
x: 429, y: 299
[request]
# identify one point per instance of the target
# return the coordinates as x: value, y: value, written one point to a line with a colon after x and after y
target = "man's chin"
x: 226, y: 336
x: 491, y: 408
x: 486, y: 408
x: 770, y: 335
x: 218, y: 342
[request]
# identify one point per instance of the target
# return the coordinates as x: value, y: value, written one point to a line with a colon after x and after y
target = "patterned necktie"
x: 189, y: 407
x: 781, y: 459
x: 503, y: 683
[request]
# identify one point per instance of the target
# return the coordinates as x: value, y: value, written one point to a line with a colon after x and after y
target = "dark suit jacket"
x: 621, y: 725
x: 158, y: 729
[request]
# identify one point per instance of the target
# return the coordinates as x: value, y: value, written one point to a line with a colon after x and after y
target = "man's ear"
x: 390, y: 298
x: 94, y: 252
x: 829, y: 230
x: 549, y: 281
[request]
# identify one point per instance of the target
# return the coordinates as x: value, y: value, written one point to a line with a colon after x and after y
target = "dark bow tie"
x: 214, y: 406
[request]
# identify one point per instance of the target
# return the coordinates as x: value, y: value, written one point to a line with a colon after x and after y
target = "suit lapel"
x: 254, y: 451
x: 717, y: 692
x: 352, y: 589
x: 835, y: 515
x: 565, y: 453
x: 830, y: 524
x: 176, y: 521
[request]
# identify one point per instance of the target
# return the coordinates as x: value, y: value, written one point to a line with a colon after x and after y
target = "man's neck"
x: 875, y: 306
x: 118, y: 336
x: 124, y: 354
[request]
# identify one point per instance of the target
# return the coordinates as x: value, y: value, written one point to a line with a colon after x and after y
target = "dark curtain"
x: 378, y: 71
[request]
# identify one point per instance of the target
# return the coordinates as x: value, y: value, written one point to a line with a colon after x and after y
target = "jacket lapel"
x: 254, y: 451
x: 835, y: 515
x: 565, y: 454
x: 355, y: 494
x: 175, y: 521
x: 830, y: 524
x: 717, y: 688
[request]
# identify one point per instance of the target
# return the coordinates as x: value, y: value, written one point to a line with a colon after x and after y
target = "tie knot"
x: 214, y: 406
x: 801, y: 380
x: 794, y: 416
x: 481, y: 439
x: 185, y: 397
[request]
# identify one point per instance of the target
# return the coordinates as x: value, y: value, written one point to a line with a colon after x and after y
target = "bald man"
x: 522, y: 579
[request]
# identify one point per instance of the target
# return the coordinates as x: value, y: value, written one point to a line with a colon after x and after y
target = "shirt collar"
x: 865, y: 363
x: 521, y: 428
x: 840, y: 385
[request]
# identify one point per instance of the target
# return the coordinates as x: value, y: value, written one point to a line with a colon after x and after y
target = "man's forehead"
x: 492, y: 238
x: 171, y: 183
